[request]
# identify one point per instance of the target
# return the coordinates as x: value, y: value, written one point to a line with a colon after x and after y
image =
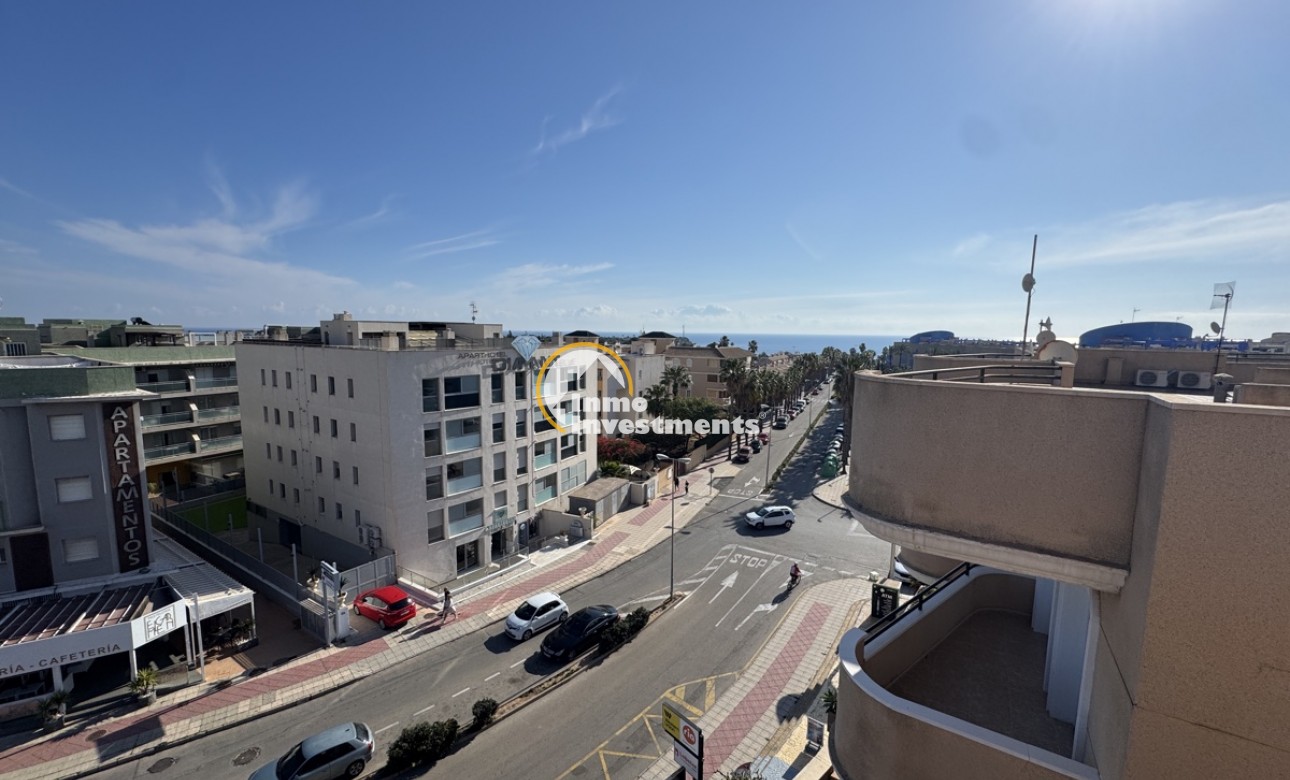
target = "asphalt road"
x: 736, y: 580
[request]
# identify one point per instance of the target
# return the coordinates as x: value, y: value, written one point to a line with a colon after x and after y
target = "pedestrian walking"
x: 687, y: 487
x: 447, y: 608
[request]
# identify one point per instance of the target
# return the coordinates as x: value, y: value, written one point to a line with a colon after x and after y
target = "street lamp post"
x: 671, y: 534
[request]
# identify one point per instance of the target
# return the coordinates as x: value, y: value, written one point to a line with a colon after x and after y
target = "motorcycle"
x: 793, y: 579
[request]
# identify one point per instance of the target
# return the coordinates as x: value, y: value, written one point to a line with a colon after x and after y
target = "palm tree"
x: 656, y: 399
x: 735, y: 376
x: 752, y: 346
x: 848, y: 363
x: 677, y: 377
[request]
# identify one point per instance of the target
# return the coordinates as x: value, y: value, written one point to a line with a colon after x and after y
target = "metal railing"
x: 169, y: 450
x: 180, y: 386
x: 220, y: 443
x: 169, y: 418
x: 916, y: 603
x: 206, y: 384
x: 1045, y: 374
x: 218, y: 414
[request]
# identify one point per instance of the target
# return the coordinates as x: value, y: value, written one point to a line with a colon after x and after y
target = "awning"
x: 196, y: 581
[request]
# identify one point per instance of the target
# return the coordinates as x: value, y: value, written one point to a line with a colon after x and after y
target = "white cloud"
x: 599, y: 311
x: 972, y: 245
x: 593, y: 119
x: 801, y: 243
x: 219, y: 186
x: 477, y: 239
x: 382, y: 214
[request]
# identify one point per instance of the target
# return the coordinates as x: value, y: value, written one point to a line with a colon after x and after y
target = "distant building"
x: 421, y: 438
x: 900, y: 355
x: 704, y: 365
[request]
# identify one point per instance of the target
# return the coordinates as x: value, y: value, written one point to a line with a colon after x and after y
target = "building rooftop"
x: 149, y: 356
x: 48, y: 617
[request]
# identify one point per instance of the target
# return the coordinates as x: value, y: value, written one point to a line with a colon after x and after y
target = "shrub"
x: 636, y: 620
x: 422, y: 743
x: 623, y: 631
x: 484, y: 710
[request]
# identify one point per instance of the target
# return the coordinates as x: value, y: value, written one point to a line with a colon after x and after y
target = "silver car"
x: 771, y: 515
x: 536, y: 613
x: 340, y: 751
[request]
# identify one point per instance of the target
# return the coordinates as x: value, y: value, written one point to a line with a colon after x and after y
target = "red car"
x: 389, y: 606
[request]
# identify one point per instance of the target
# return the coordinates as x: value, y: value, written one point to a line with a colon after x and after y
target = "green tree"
x: 752, y: 346
x: 677, y: 377
x: 656, y: 399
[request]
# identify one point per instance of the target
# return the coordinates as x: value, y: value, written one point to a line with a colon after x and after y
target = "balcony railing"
x: 180, y: 386
x: 1010, y: 373
x: 223, y: 442
x: 544, y: 495
x: 544, y: 460
x: 218, y: 414
x: 206, y: 384
x: 168, y: 451
x: 169, y: 418
x: 916, y: 603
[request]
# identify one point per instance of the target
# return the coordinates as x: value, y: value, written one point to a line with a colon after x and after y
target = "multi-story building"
x: 704, y: 365
x: 1118, y: 617
x: 85, y: 584
x: 413, y: 437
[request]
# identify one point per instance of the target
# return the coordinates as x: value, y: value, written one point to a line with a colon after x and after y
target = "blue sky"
x: 743, y: 167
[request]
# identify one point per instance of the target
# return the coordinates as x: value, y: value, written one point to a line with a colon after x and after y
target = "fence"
x: 373, y: 574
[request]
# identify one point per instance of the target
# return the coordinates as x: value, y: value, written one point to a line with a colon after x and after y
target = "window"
x: 77, y: 550
x: 274, y: 374
x: 499, y: 391
x: 74, y: 489
x: 522, y: 498
x: 521, y: 461
x: 287, y: 376
x: 266, y: 414
x: 432, y: 444
x: 295, y: 495
x: 521, y: 386
x: 291, y: 419
x: 465, y: 516
x: 544, y: 489
x: 430, y: 395
x: 500, y: 509
x: 349, y: 386
x: 282, y: 490
x: 331, y: 385
x: 66, y: 427
x: 460, y: 392
x: 335, y: 429
x: 572, y: 476
x: 540, y: 423
x: 317, y: 464
x: 499, y: 466
x: 358, y: 517
x: 353, y: 431
x: 322, y: 505
x: 313, y: 383
x: 569, y: 446
x: 543, y: 454
x: 279, y: 454
x: 434, y: 526
x: 467, y: 557
x: 317, y: 426
x: 465, y: 475
x: 277, y: 416
x: 270, y: 487
x: 340, y: 511
x: 499, y: 427
x: 461, y: 435
x: 335, y: 469
x: 294, y: 462
x: 434, y: 484
x: 521, y: 423
x: 262, y: 382
x: 356, y: 475
x: 268, y: 450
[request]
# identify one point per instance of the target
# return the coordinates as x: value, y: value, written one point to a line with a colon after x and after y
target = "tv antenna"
x: 1135, y: 315
x: 473, y: 311
x: 1028, y: 284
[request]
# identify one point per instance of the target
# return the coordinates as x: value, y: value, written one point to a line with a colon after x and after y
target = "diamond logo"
x: 526, y: 345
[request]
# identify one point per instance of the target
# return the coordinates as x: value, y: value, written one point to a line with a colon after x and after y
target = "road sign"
x: 814, y: 733
x: 693, y: 765
x: 683, y: 730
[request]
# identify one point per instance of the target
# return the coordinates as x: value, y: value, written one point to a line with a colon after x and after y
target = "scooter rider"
x: 794, y: 574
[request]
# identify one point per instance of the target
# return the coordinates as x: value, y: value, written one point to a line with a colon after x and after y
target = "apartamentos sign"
x: 125, y: 482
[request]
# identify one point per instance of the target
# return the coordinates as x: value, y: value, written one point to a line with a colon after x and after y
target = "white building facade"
x: 422, y: 439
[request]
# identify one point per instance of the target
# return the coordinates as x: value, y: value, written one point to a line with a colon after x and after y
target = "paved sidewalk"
x: 760, y: 720
x: 193, y: 712
x: 834, y: 492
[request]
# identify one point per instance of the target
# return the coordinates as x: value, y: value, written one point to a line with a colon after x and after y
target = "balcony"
x: 222, y: 413
x: 543, y: 459
x: 166, y: 388
x: 222, y: 444
x: 167, y: 419
x: 158, y: 454
x: 215, y: 383
x: 957, y: 683
x: 1035, y: 479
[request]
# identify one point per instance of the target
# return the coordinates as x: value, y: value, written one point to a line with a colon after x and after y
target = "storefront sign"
x: 125, y: 482
x: 67, y: 649
x: 500, y: 525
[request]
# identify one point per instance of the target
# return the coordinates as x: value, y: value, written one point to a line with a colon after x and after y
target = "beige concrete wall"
x: 1262, y: 395
x: 1036, y: 468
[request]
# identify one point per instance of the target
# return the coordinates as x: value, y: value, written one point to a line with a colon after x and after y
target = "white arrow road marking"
x: 752, y: 481
x: 759, y: 608
x: 764, y: 571
x: 728, y: 582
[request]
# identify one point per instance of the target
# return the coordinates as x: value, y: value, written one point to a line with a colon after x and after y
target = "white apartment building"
x: 413, y: 437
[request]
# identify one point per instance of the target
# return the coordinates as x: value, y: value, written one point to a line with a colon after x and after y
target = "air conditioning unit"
x: 1195, y: 380
x: 1149, y: 377
x: 373, y: 536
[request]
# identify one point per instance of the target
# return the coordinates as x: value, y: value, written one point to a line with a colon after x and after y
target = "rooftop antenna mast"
x: 473, y: 311
x: 1028, y: 284
x: 1223, y: 292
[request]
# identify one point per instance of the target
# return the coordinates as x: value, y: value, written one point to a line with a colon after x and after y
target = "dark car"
x: 743, y: 455
x: 390, y: 606
x: 580, y: 631
x: 756, y: 445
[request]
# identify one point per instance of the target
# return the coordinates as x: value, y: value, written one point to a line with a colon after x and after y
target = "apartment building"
x: 1118, y: 615
x: 704, y: 365
x: 419, y: 438
x: 86, y: 586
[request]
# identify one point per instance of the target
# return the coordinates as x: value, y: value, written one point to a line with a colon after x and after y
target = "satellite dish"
x: 1045, y: 336
x: 1057, y: 350
x: 1028, y: 282
x: 1214, y: 326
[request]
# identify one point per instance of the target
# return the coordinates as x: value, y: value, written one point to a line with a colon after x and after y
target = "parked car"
x: 390, y: 606
x: 340, y: 751
x: 580, y: 631
x: 763, y: 437
x: 781, y: 422
x: 756, y: 445
x: 743, y: 455
x: 535, y: 614
x: 771, y: 515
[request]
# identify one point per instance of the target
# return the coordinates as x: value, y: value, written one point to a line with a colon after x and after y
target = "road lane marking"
x: 422, y: 710
x: 387, y: 728
x: 758, y: 608
x: 460, y: 692
x: 491, y: 676
x: 728, y: 582
x: 764, y: 572
x: 517, y: 663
